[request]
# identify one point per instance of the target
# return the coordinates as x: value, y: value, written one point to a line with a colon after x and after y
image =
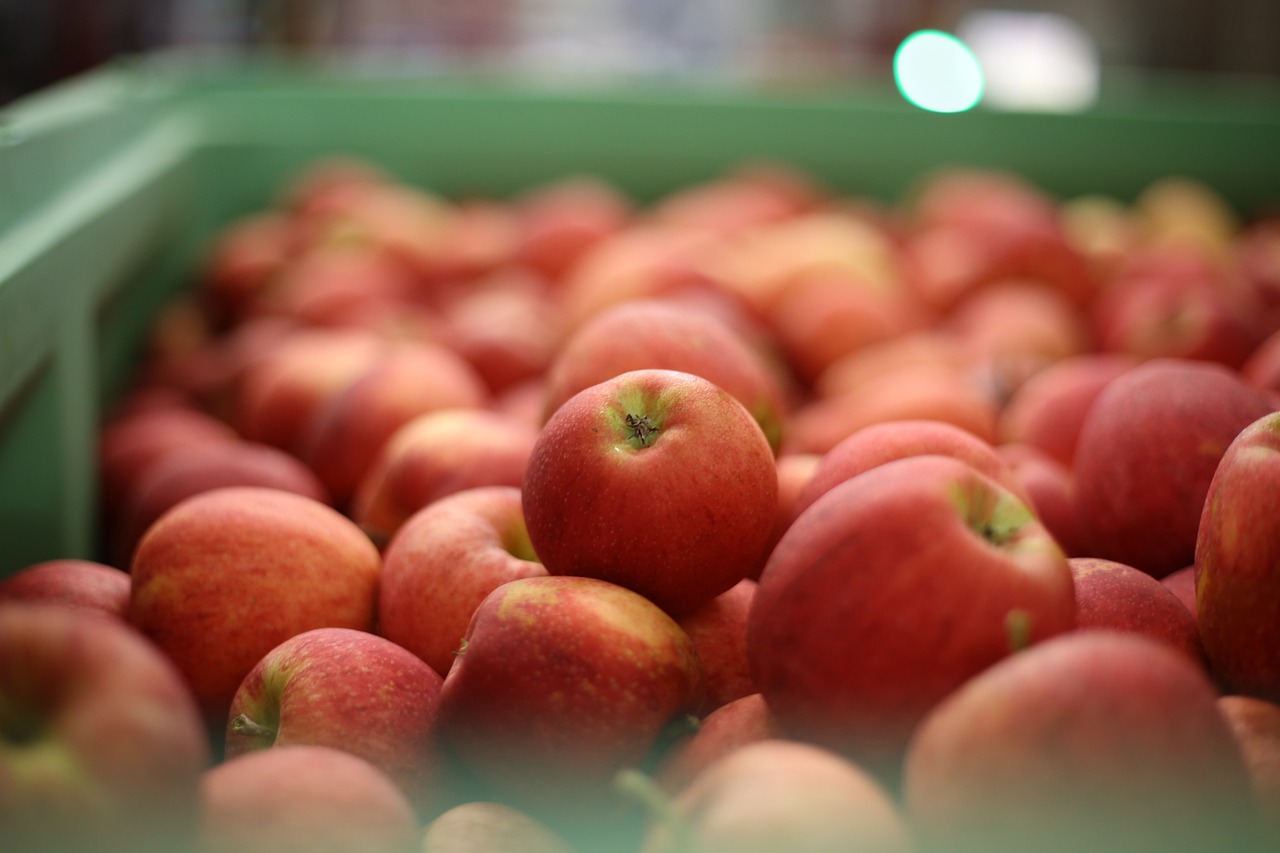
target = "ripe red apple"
x: 1262, y: 368
x: 1237, y: 556
x: 561, y: 221
x: 485, y: 827
x: 654, y: 333
x: 1096, y: 740
x: 241, y: 261
x: 879, y: 443
x: 443, y: 561
x: 229, y: 574
x: 328, y: 284
x: 437, y: 454
x: 782, y: 795
x: 719, y: 633
x: 346, y: 435
x: 347, y: 689
x: 1121, y: 598
x: 1182, y: 583
x: 794, y: 472
x: 177, y: 476
x: 304, y: 799
x: 560, y: 683
x: 1140, y: 499
x: 1256, y: 725
x: 1050, y: 488
x: 890, y: 591
x: 78, y: 583
x: 737, y: 723
x: 656, y: 480
x: 101, y: 745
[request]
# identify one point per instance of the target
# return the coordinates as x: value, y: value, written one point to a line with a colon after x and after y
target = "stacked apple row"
x: 755, y: 517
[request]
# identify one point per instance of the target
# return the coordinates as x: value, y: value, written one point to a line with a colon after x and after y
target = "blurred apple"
x: 71, y: 582
x: 1262, y: 368
x: 1256, y: 725
x: 739, y: 722
x: 486, y: 827
x: 1111, y: 595
x: 1051, y: 493
x: 561, y: 221
x: 1182, y: 583
x: 795, y: 470
x: 718, y: 630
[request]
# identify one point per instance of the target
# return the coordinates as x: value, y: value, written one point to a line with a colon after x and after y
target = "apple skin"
x: 734, y: 724
x: 655, y: 333
x: 177, y: 476
x: 1051, y: 491
x: 437, y: 454
x: 347, y: 689
x: 484, y: 827
x: 679, y: 508
x: 72, y: 582
x: 1262, y: 368
x: 441, y: 564
x: 304, y: 799
x: 1182, y: 583
x: 879, y: 574
x: 1095, y: 740
x: 780, y: 794
x: 560, y: 683
x: 884, y: 442
x: 1256, y: 725
x: 1119, y: 597
x: 229, y: 574
x: 719, y: 633
x: 101, y: 745
x: 794, y: 472
x: 1237, y: 558
x: 1140, y: 500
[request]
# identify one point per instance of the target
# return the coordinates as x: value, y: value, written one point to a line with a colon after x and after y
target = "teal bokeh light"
x: 936, y: 71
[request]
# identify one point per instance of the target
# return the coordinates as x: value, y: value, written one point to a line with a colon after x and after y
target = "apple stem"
x: 643, y: 431
x: 242, y: 725
x: 1017, y: 625
x: 641, y: 787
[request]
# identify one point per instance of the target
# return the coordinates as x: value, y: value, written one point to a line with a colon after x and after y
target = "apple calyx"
x: 1017, y: 626
x: 243, y: 725
x: 644, y: 432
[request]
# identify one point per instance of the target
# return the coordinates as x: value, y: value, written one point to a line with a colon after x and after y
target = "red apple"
x: 782, y: 795
x: 1140, y: 499
x: 304, y: 799
x: 1182, y: 583
x: 1050, y: 488
x: 1237, y: 558
x: 879, y: 443
x: 329, y: 284
x: 443, y: 561
x: 560, y: 683
x: 654, y: 333
x: 77, y: 583
x: 890, y: 591
x: 794, y: 472
x: 101, y: 745
x: 242, y: 260
x: 719, y: 633
x: 657, y: 480
x: 437, y: 454
x: 347, y: 433
x: 1118, y: 597
x: 483, y: 827
x: 229, y: 574
x: 177, y: 476
x: 737, y: 723
x: 1262, y: 367
x: 563, y: 220
x: 1095, y: 740
x: 1256, y: 725
x: 347, y: 689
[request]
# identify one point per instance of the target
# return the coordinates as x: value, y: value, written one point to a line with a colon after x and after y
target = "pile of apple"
x: 753, y: 517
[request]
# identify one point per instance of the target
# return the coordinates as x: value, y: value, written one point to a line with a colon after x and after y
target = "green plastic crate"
x: 111, y: 185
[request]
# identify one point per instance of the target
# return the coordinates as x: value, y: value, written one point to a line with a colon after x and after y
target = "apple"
x: 1256, y: 725
x: 1262, y: 367
x: 657, y: 480
x: 662, y: 334
x: 1047, y: 410
x: 719, y: 633
x: 101, y: 745
x: 927, y: 349
x: 348, y: 689
x: 781, y: 795
x: 177, y: 476
x: 1121, y: 598
x: 72, y: 582
x: 736, y: 723
x: 1237, y: 558
x: 242, y: 260
x: 434, y: 455
x: 561, y: 221
x: 883, y: 442
x: 728, y: 204
x: 1051, y: 492
x: 443, y: 561
x: 304, y: 799
x: 794, y: 472
x: 487, y: 827
x: 1095, y: 740
x: 329, y: 283
x: 229, y: 574
x: 1139, y: 499
x: 890, y: 591
x: 560, y: 683
x: 1182, y: 583
x: 347, y: 433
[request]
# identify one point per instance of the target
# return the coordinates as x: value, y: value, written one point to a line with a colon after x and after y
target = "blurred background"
x: 813, y: 42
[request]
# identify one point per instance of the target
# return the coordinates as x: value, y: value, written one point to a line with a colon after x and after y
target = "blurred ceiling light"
x: 937, y: 72
x: 1034, y: 61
